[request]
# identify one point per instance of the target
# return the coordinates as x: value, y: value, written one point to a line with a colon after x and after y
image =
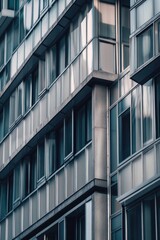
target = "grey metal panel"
x: 1, y: 155
x: 81, y: 170
x: 61, y: 186
x: 52, y: 192
x: 17, y: 220
x: 66, y: 84
x: 10, y: 228
x: 42, y: 196
x: 26, y: 214
x: 70, y: 179
x: 90, y: 163
x: 34, y: 208
x: 2, y: 228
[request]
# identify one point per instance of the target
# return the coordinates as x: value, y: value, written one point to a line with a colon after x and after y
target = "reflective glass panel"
x: 145, y: 46
x: 147, y: 111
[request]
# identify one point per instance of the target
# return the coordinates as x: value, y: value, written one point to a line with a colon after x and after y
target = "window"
x: 35, y: 85
x: 143, y: 219
x: 113, y: 139
x: 26, y: 177
x: 41, y: 76
x: 16, y: 183
x: 157, y: 95
x: 60, y: 146
x: 6, y: 117
x: 107, y: 25
x: 147, y: 111
x: 2, y: 52
x: 116, y: 223
x: 124, y: 129
x: 6, y: 195
x: 33, y: 170
x: 68, y: 135
x: 149, y: 218
x: 1, y: 125
x: 27, y: 92
x: 145, y: 46
x: 10, y: 192
x: 115, y: 205
x: 74, y: 39
x: 28, y: 15
x: 159, y: 36
x: 9, y: 43
x: 12, y: 108
x: 35, y: 10
x: 51, y: 144
x: 19, y: 100
x: 136, y: 119
x: 63, y: 53
x: 158, y: 213
x: 107, y: 57
x: 11, y: 4
x: 76, y: 227
x: 83, y: 125
x: 15, y: 32
x: 3, y: 199
x: 22, y: 25
x: 53, y: 64
x: 134, y: 223
x: 53, y: 233
x: 41, y: 160
x: 29, y: 173
x: 16, y: 104
x: 43, y: 4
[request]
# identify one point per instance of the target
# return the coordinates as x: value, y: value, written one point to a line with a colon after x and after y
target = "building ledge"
x: 79, y: 197
x: 138, y: 192
x: 6, y: 16
x: 147, y: 70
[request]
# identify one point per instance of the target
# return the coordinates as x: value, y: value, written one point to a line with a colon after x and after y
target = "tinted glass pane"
x: 136, y: 119
x: 134, y: 223
x: 33, y: 171
x: 157, y: 88
x: 149, y: 219
x: 80, y: 128
x: 115, y: 205
x: 27, y: 93
x: 147, y: 111
x: 10, y: 192
x: 107, y: 26
x: 61, y: 230
x: 124, y: 135
x: 41, y: 160
x: 22, y: 25
x: 145, y: 46
x: 2, y: 52
x: 89, y: 120
x: 52, y: 152
x: 158, y: 213
x: 17, y: 183
x: 35, y: 86
x: 60, y: 146
x: 68, y: 135
x: 113, y: 138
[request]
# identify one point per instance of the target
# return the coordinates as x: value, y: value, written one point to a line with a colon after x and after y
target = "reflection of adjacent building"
x: 79, y: 140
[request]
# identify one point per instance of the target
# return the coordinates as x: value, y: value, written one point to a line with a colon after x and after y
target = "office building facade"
x: 79, y: 127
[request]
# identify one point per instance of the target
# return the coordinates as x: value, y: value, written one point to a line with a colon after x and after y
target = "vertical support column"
x: 100, y: 227
x: 99, y: 106
x: 88, y: 222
